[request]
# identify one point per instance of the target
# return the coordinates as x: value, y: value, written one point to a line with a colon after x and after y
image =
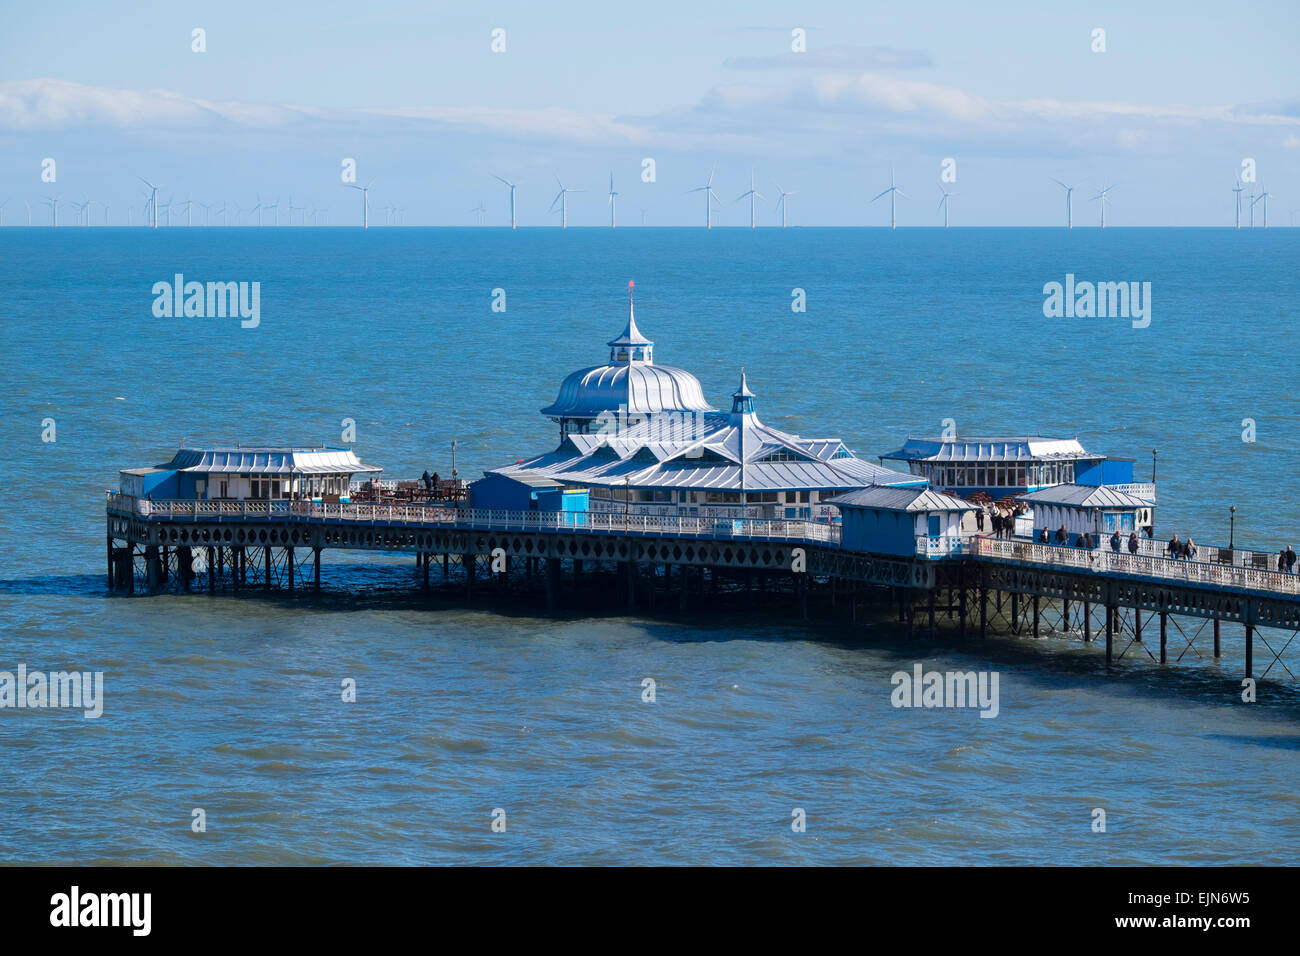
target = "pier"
x: 1144, y: 603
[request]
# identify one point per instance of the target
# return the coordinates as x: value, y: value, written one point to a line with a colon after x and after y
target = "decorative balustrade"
x: 483, y: 518
x: 1103, y: 560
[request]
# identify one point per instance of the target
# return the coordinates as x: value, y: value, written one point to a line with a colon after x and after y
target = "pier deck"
x: 156, y: 541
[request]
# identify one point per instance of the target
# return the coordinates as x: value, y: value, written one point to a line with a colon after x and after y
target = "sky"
x: 1013, y: 93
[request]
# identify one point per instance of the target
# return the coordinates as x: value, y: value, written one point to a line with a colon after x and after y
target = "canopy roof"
x: 1024, y: 449
x: 901, y: 499
x: 730, y: 452
x: 246, y: 460
x: 1085, y: 496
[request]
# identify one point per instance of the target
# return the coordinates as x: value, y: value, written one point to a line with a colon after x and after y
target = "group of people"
x: 1003, y: 522
x: 1062, y: 538
x: 1286, y: 560
x: 430, y: 481
x: 1181, y: 549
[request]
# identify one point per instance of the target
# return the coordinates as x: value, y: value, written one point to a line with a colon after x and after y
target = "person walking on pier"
x: 1281, y: 560
x: 1175, y: 547
x: 1290, y: 558
x: 1115, y: 541
x: 1189, y: 550
x: 1133, y: 542
x: 1062, y: 536
x: 1044, y: 537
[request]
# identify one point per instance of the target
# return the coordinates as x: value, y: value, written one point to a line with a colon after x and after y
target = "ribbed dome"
x: 639, y: 388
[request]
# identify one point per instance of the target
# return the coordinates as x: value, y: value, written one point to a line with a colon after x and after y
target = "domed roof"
x: 639, y: 388
x: 631, y: 381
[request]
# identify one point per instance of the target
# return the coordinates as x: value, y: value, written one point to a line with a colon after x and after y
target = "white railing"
x: 944, y: 546
x: 1104, y: 560
x: 483, y: 518
x: 1138, y: 489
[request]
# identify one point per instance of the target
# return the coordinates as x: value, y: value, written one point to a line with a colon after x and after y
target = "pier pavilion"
x: 1001, y: 467
x: 643, y: 441
x: 259, y: 473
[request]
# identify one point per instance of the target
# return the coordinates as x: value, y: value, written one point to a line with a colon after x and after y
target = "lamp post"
x: 1232, y: 527
x: 1153, y: 466
x: 453, y: 459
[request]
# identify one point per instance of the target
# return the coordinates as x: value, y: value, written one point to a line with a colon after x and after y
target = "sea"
x: 483, y: 734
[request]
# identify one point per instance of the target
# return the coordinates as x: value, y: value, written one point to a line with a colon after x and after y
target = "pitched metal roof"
x: 1085, y: 496
x: 638, y: 388
x: 901, y: 499
x: 1029, y: 448
x: 269, y: 461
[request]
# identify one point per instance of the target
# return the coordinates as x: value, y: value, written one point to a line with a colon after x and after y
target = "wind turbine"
x: 54, y: 207
x: 2, y: 211
x: 892, y: 191
x: 480, y: 213
x: 1264, y: 194
x: 153, y: 198
x: 167, y: 208
x: 106, y: 214
x: 753, y: 195
x: 1069, y: 207
x: 1253, y: 201
x: 710, y: 197
x: 187, y: 204
x: 780, y: 203
x: 943, y: 204
x: 365, y: 201
x: 562, y: 198
x: 512, y: 198
x: 80, y: 207
x: 293, y: 209
x: 275, y: 209
x: 207, y: 212
x: 1102, y: 196
x: 613, y: 210
x: 29, y: 211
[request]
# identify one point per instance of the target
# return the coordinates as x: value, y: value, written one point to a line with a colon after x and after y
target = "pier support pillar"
x: 1110, y: 633
x: 470, y: 561
x: 984, y: 611
x: 552, y: 581
x: 1035, y: 617
x: 446, y: 560
x: 111, y: 582
x: 1164, y: 634
x: 424, y: 562
x: 1087, y: 622
x: 631, y: 585
x: 1250, y: 650
x: 212, y: 569
x: 1137, y: 624
x: 315, y: 569
x: 266, y: 552
x: 1015, y: 612
x: 681, y: 582
x: 288, y: 560
x: 243, y: 566
x: 1065, y: 614
x: 185, y: 565
x: 151, y: 567
x: 235, y: 554
x: 1216, y: 639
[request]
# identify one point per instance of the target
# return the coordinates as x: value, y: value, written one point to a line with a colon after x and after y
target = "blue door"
x: 934, y: 526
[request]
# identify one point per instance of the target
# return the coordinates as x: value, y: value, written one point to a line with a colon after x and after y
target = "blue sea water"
x: 232, y: 704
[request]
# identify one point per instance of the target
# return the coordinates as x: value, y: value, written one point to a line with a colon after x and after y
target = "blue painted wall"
x: 1111, y: 471
x: 878, y: 531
